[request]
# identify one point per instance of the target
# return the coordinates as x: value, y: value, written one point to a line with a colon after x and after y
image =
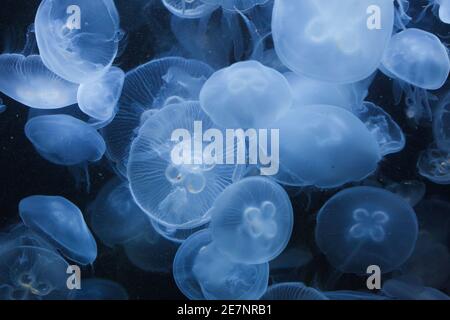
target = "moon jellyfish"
x: 386, y: 131
x: 99, y: 98
x: 176, y: 193
x: 147, y: 88
x: 251, y: 221
x: 235, y: 5
x: 404, y: 290
x: 78, y: 39
x: 201, y: 271
x: 292, y: 291
x: 61, y: 223
x: 28, y: 81
x: 20, y: 235
x: 115, y: 218
x: 441, y: 124
x: 337, y: 41
x: 189, y: 9
x: 99, y: 289
x: 364, y: 226
x: 324, y: 146
x: 32, y: 273
x: 64, y: 140
x: 434, y: 164
x: 246, y: 95
x: 418, y: 58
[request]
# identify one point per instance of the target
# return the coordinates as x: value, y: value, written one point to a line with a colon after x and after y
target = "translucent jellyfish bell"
x: 251, y: 221
x: 189, y: 9
x: 441, y: 124
x: 99, y: 99
x: 324, y: 146
x: 64, y: 140
x: 32, y: 273
x: 386, y: 131
x: 292, y: 291
x: 364, y: 226
x: 246, y: 95
x: 418, y: 58
x: 201, y: 271
x: 434, y: 164
x: 61, y: 223
x: 28, y: 81
x: 99, y: 289
x: 336, y: 41
x: 175, y: 194
x: 77, y: 39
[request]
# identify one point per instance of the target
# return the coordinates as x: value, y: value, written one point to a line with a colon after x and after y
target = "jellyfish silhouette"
x: 434, y: 164
x: 364, y: 226
x: 99, y: 289
x: 78, y: 39
x: 333, y: 41
x: 246, y: 95
x: 60, y: 222
x: 292, y: 291
x: 28, y: 81
x: 441, y: 124
x: 251, y: 221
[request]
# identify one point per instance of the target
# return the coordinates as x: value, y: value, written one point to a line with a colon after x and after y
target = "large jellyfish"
x: 78, y: 39
x: 28, y: 81
x: 441, y: 124
x: 201, y: 271
x: 61, y: 223
x: 434, y: 164
x: 246, y: 95
x: 189, y: 9
x: 32, y: 273
x: 148, y: 88
x: 336, y: 41
x: 364, y: 226
x: 115, y: 218
x: 324, y: 146
x: 172, y: 182
x: 64, y: 140
x: 386, y: 131
x: 99, y: 98
x: 251, y: 221
x: 99, y: 289
x: 292, y: 291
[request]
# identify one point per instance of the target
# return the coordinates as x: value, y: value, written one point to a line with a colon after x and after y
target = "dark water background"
x: 23, y: 172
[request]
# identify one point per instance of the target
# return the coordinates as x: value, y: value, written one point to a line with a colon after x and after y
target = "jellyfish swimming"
x: 386, y: 131
x: 99, y: 98
x: 434, y: 164
x: 292, y: 291
x: 441, y: 124
x: 61, y: 223
x: 202, y: 272
x: 32, y: 273
x: 336, y: 41
x: 28, y: 81
x: 246, y: 95
x: 176, y: 192
x: 251, y: 221
x: 99, y: 289
x: 364, y: 226
x: 78, y: 39
x: 114, y: 216
x: 65, y: 140
x: 324, y: 146
x: 189, y: 9
x: 148, y: 88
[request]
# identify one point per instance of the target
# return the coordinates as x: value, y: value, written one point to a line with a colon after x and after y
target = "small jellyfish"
x: 65, y: 140
x: 246, y: 95
x: 32, y: 273
x: 202, y: 272
x: 434, y: 164
x: 114, y: 216
x: 189, y: 9
x: 99, y: 289
x: 386, y: 131
x: 251, y: 221
x: 99, y: 98
x: 60, y: 222
x: 176, y: 192
x: 405, y: 290
x: 28, y: 81
x: 337, y: 41
x: 364, y: 226
x: 418, y: 58
x: 236, y: 5
x: 441, y: 124
x: 78, y: 39
x: 324, y: 146
x: 292, y: 291
x: 148, y: 88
